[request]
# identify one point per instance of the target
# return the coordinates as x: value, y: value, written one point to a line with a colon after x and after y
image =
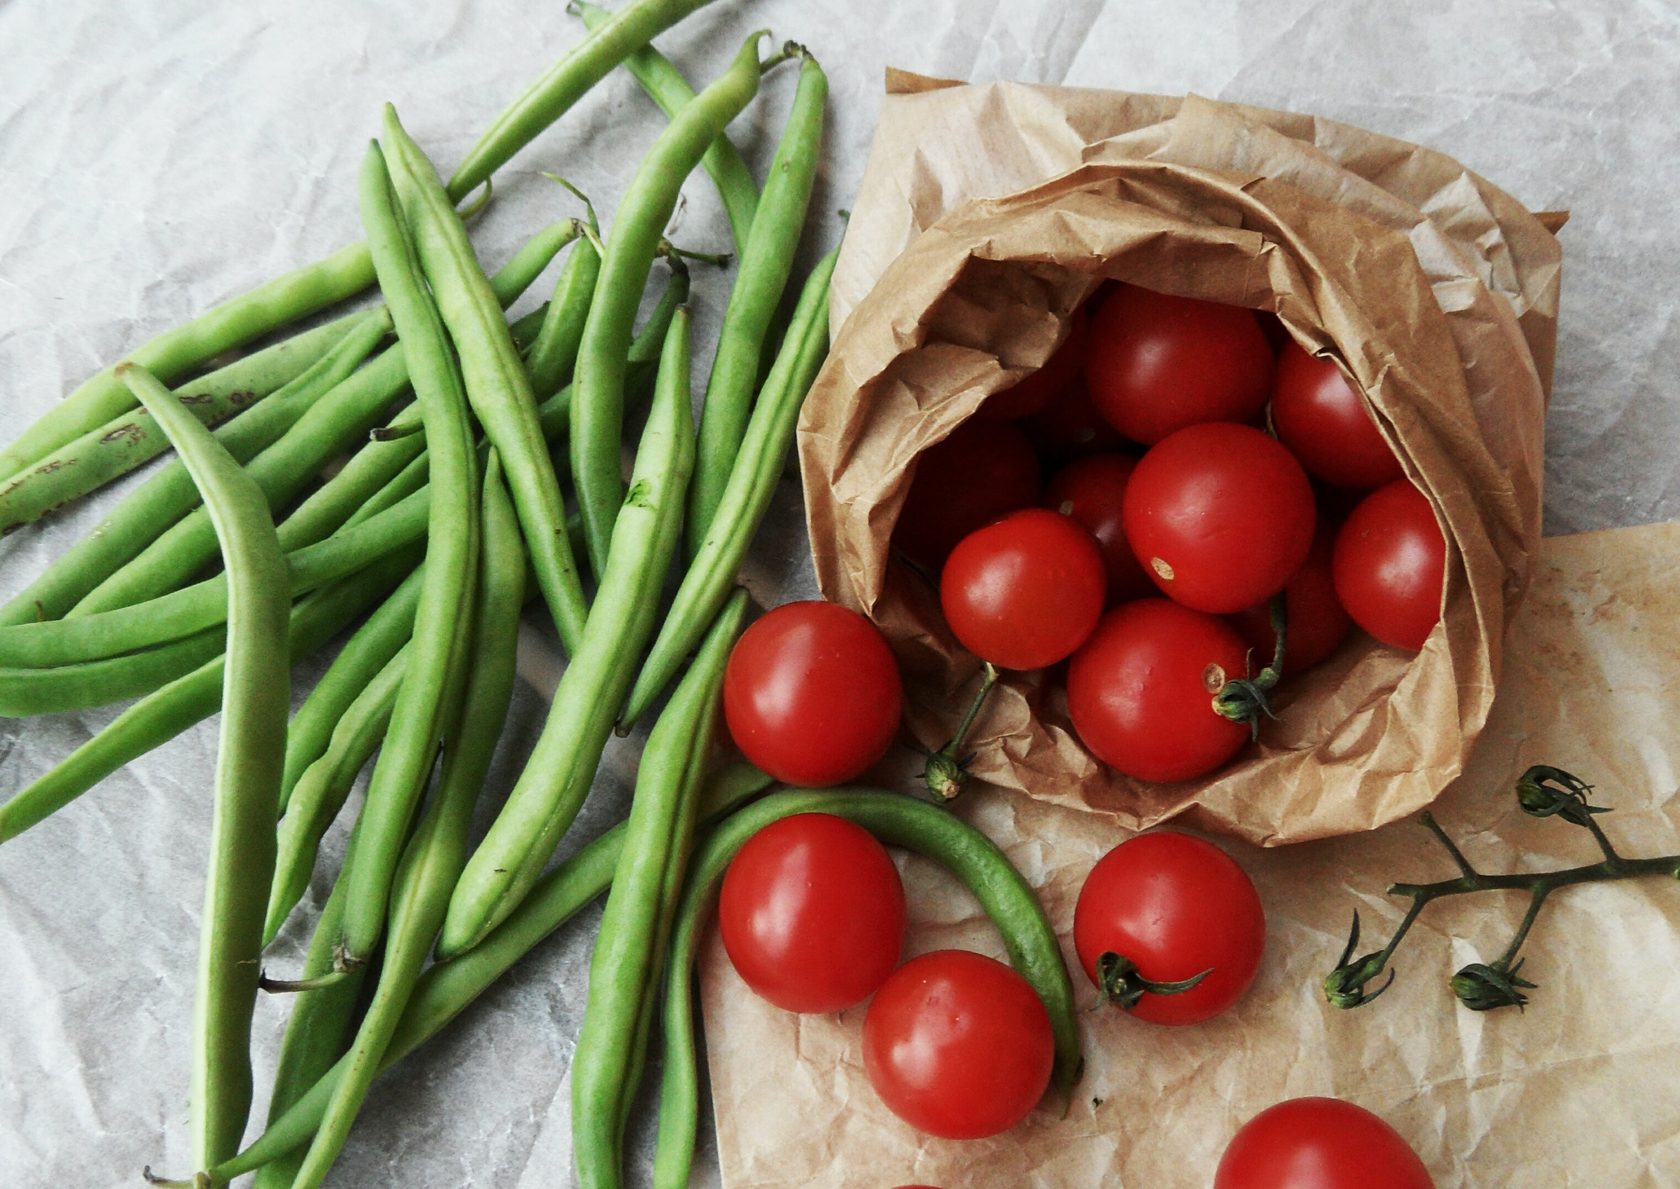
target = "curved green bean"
x: 556, y: 778
x: 624, y: 970
x: 898, y: 820
x: 553, y: 355
x: 255, y: 700
x: 752, y: 482
x: 598, y: 415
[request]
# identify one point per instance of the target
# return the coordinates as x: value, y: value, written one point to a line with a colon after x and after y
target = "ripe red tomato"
x: 1025, y: 592
x: 1325, y: 423
x: 1174, y: 906
x: 1070, y: 427
x: 1158, y: 363
x: 1140, y: 691
x: 1093, y: 492
x: 1390, y: 565
x: 812, y: 913
x: 1319, y: 1143
x: 1220, y: 515
x: 981, y: 471
x: 1315, y: 623
x: 1060, y: 372
x: 812, y: 693
x: 958, y: 1045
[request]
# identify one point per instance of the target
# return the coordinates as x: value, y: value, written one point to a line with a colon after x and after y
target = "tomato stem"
x: 1246, y: 699
x: 947, y: 768
x: 1119, y: 981
x: 1542, y: 791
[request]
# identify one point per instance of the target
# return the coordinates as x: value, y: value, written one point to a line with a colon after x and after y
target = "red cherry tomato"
x: 1220, y: 515
x: 1390, y: 565
x: 1060, y: 372
x: 812, y: 694
x: 812, y: 913
x: 1319, y: 1143
x: 1158, y: 363
x: 1173, y: 906
x: 1325, y: 423
x: 1140, y: 691
x: 1070, y: 427
x: 958, y: 1045
x: 1025, y: 592
x: 1315, y: 623
x: 983, y: 470
x: 1093, y: 491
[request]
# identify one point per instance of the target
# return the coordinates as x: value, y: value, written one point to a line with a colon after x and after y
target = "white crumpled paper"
x: 159, y: 155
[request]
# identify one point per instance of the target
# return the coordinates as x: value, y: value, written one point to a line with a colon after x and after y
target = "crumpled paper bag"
x: 988, y: 213
x: 1580, y: 1089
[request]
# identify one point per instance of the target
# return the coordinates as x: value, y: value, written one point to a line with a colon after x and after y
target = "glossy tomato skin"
x: 812, y: 913
x: 1060, y: 372
x: 958, y: 1045
x: 983, y: 470
x: 812, y: 694
x: 1140, y: 690
x: 1175, y: 905
x: 1158, y: 363
x: 1319, y: 1143
x: 1026, y: 591
x: 1325, y: 423
x: 1093, y: 492
x: 1390, y: 565
x: 1316, y: 622
x: 1220, y: 515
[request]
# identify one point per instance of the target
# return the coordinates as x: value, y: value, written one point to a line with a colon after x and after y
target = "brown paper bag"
x: 988, y: 213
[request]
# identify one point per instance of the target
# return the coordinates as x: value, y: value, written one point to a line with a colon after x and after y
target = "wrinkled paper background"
x: 159, y: 155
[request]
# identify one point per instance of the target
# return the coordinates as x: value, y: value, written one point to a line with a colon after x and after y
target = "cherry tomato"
x: 1060, y: 372
x: 1315, y: 623
x: 1025, y: 592
x: 1325, y: 423
x: 1140, y: 690
x: 1070, y: 427
x: 1319, y: 1143
x: 1220, y: 515
x: 1390, y: 565
x: 1093, y: 491
x: 1173, y: 906
x: 1158, y: 363
x: 812, y: 913
x: 981, y: 471
x: 812, y: 694
x: 958, y: 1045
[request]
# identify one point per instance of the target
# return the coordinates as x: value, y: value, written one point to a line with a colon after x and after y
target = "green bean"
x: 123, y: 443
x: 320, y: 791
x: 552, y: 356
x: 667, y: 87
x: 597, y: 419
x: 434, y: 857
x: 556, y: 778
x: 496, y: 381
x: 447, y: 989
x: 164, y: 714
x: 433, y: 681
x: 765, y: 264
x: 752, y: 483
x: 898, y: 820
x: 255, y: 700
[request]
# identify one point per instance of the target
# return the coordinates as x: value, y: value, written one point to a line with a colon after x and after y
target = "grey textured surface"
x: 160, y: 155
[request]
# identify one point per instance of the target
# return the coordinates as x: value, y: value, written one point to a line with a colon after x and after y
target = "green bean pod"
x: 624, y: 970
x: 553, y: 355
x: 597, y: 419
x: 752, y: 483
x: 433, y: 859
x: 448, y: 988
x: 666, y: 86
x: 497, y: 384
x: 432, y: 681
x: 255, y: 700
x: 897, y: 820
x: 556, y: 778
x: 765, y: 264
